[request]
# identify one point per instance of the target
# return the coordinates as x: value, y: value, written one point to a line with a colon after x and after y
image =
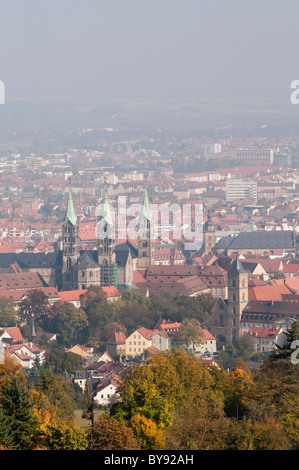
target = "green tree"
x: 190, y: 334
x: 59, y: 394
x: 18, y: 417
x: 68, y: 322
x: 198, y: 308
x: 157, y: 388
x: 62, y: 436
x: 63, y: 362
x: 34, y: 305
x: 7, y: 312
x: 6, y: 441
x: 276, y: 395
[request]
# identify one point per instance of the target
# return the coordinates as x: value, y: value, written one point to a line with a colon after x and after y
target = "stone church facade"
x: 109, y: 264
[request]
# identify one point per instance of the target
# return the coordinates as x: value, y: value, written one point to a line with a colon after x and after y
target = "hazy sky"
x: 148, y: 49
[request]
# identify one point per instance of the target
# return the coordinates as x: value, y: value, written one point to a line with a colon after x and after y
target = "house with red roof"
x: 73, y: 296
x: 116, y: 344
x: 291, y: 269
x: 11, y: 335
x: 162, y: 338
x: 106, y: 389
x: 25, y: 354
x: 19, y: 294
x: 264, y: 338
x: 169, y: 256
x: 81, y: 350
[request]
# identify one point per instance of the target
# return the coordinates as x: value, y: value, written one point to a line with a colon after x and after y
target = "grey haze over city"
x: 169, y: 50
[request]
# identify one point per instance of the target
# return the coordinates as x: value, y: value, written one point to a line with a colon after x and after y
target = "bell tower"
x: 209, y: 235
x: 237, y: 300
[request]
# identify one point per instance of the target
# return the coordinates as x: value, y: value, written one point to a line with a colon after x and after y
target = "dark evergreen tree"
x: 5, y: 432
x: 17, y: 415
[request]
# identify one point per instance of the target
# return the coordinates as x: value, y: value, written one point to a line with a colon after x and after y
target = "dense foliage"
x: 172, y: 402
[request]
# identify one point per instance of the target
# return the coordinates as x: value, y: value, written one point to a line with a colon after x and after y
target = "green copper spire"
x: 70, y: 211
x: 146, y: 209
x: 105, y: 212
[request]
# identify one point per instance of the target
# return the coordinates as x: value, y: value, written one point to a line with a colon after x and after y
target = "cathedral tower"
x: 106, y: 242
x: 70, y: 242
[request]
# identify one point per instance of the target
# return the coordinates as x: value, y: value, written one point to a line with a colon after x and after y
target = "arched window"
x: 233, y: 283
x: 221, y: 320
x: 234, y: 297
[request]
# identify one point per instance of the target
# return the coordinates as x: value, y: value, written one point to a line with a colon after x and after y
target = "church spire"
x: 70, y: 210
x: 105, y: 212
x: 146, y: 209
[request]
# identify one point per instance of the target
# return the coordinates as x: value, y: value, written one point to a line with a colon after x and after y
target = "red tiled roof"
x: 12, y: 281
x: 15, y: 333
x: 17, y: 295
x: 261, y: 332
x: 153, y: 350
x: 71, y: 295
x: 207, y: 335
x: 268, y: 292
x: 117, y: 338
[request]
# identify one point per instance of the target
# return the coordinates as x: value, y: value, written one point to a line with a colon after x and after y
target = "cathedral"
x: 110, y: 264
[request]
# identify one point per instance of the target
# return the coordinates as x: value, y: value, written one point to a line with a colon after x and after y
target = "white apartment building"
x: 239, y: 189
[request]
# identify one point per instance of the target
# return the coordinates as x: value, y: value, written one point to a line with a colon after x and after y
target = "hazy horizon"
x: 169, y: 50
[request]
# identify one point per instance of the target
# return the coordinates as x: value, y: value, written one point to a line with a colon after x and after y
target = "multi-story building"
x: 239, y: 189
x: 255, y: 157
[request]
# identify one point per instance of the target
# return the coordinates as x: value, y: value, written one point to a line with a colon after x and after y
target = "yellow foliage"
x: 147, y: 433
